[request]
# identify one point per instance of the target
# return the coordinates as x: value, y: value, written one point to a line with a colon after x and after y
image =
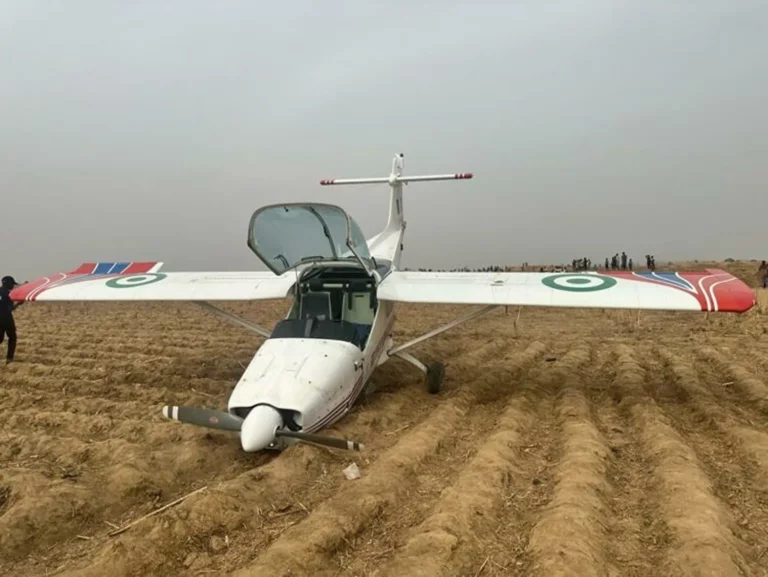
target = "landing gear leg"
x: 433, y: 374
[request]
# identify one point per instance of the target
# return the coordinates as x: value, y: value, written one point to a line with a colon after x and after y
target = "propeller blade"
x: 203, y: 417
x: 322, y: 440
x: 228, y: 422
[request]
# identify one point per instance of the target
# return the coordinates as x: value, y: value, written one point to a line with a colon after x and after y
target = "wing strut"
x: 253, y: 327
x: 395, y: 350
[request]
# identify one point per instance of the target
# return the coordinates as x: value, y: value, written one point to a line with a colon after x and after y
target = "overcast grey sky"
x: 141, y: 130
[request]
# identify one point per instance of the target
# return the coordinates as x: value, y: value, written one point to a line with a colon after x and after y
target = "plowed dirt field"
x: 575, y: 443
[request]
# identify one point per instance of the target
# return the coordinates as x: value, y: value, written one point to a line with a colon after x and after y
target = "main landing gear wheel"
x: 434, y: 377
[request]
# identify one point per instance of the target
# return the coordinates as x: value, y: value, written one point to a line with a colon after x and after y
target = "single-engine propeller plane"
x: 316, y: 362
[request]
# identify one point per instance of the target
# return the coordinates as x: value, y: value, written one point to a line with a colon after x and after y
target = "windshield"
x: 284, y: 236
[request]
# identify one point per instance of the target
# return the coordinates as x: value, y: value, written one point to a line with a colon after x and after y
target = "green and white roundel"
x: 135, y: 280
x: 579, y: 282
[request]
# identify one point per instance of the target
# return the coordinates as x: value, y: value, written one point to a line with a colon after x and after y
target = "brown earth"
x: 565, y: 443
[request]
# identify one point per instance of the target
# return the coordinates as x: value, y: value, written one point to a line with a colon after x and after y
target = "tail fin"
x: 395, y: 181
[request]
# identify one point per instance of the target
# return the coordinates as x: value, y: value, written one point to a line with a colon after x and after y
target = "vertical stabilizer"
x: 390, y: 238
x: 395, y: 221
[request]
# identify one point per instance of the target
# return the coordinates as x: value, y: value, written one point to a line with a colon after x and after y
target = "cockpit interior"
x: 336, y: 303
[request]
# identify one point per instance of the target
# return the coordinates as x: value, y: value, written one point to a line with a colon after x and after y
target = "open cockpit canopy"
x: 285, y: 236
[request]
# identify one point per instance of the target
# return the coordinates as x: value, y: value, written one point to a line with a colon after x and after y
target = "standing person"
x: 7, y: 324
x: 762, y: 274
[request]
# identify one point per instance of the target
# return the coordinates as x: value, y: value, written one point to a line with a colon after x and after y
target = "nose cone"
x: 259, y: 427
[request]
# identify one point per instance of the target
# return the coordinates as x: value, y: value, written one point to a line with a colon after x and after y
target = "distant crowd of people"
x: 619, y: 261
x: 616, y: 262
x: 623, y: 262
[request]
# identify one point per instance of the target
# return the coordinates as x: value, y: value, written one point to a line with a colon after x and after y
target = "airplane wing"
x: 142, y: 281
x: 713, y: 290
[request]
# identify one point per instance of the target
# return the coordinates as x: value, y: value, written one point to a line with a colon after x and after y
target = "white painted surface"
x: 527, y: 289
x: 310, y: 376
x: 179, y: 286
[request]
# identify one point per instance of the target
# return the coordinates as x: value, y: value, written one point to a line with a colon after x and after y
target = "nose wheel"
x: 434, y: 377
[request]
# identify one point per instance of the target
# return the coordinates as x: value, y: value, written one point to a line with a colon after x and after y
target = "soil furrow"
x: 755, y: 390
x: 726, y: 452
x: 569, y: 535
x: 714, y: 411
x: 446, y: 541
x: 154, y: 396
x: 699, y: 525
x: 30, y: 522
x: 632, y: 546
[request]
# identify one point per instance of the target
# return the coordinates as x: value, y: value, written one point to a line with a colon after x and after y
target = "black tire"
x: 434, y: 377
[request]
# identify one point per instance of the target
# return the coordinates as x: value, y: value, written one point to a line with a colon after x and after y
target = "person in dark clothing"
x: 7, y: 324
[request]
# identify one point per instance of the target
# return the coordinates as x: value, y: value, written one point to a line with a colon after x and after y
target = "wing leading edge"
x: 142, y: 281
x: 713, y: 290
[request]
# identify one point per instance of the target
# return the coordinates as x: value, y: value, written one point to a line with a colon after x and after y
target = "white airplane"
x: 316, y: 362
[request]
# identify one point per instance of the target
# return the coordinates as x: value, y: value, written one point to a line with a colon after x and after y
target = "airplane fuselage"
x: 306, y: 383
x: 318, y: 361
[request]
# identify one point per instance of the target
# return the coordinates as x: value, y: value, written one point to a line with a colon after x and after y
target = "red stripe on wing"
x: 139, y: 267
x: 31, y: 290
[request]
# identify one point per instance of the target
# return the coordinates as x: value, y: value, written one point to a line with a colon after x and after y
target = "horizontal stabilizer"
x: 395, y: 179
x: 396, y: 176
